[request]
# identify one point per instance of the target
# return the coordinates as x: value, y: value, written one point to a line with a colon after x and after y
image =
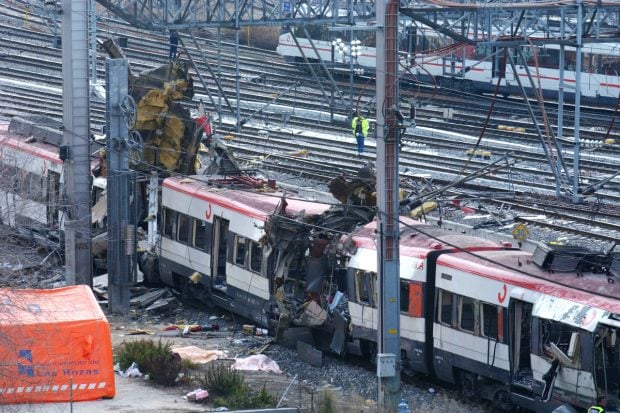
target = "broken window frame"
x: 255, y: 256
x: 561, y: 336
x: 240, y: 260
x: 369, y: 279
x: 606, y: 359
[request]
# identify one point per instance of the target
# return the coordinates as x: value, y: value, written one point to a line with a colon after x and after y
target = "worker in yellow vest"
x: 360, y: 128
x: 599, y: 407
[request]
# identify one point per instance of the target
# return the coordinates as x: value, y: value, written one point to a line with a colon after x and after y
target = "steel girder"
x: 190, y: 14
x: 510, y: 24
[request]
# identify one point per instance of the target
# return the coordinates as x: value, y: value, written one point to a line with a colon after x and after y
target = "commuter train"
x: 520, y: 329
x: 428, y: 58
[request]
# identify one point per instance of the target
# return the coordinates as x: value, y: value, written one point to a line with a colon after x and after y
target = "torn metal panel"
x: 99, y: 211
x: 312, y: 315
x: 339, y: 338
x: 568, y: 312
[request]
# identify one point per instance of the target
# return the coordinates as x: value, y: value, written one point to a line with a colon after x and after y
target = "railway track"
x: 31, y: 83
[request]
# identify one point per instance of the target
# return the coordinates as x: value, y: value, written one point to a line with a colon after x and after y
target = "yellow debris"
x: 520, y: 130
x: 609, y: 141
x: 301, y: 152
x: 479, y: 153
x: 229, y: 137
x: 426, y: 207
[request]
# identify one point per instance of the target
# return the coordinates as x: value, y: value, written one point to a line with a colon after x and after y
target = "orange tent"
x: 54, y: 346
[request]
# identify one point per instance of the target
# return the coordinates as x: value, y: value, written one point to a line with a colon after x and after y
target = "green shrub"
x: 221, y: 380
x: 263, y: 399
x: 228, y: 388
x: 153, y: 358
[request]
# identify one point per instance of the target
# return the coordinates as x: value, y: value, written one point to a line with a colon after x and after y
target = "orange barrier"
x: 54, y: 346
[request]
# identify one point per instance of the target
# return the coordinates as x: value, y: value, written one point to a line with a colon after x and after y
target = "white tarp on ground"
x: 198, y: 355
x: 257, y: 362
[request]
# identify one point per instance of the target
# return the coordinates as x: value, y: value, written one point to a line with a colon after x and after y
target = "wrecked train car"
x: 32, y: 179
x: 214, y: 247
x: 520, y: 329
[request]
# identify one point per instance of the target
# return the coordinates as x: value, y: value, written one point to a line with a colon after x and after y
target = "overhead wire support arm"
x: 539, y: 98
x: 329, y: 75
x: 204, y: 83
x: 546, y: 149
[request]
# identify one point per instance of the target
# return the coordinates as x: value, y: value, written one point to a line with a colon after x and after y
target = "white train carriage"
x: 31, y: 177
x: 541, y: 335
x: 493, y: 322
x: 439, y: 61
x: 31, y: 185
x: 418, y: 254
x: 212, y: 243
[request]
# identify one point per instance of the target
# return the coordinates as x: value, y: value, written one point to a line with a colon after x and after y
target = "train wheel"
x: 502, y: 401
x: 468, y: 384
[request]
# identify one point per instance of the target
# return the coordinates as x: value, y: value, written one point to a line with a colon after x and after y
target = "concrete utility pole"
x: 75, y: 150
x: 120, y: 111
x: 388, y: 280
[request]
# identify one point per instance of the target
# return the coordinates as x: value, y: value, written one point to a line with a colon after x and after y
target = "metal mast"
x: 388, y: 280
x: 121, y: 197
x: 76, y: 142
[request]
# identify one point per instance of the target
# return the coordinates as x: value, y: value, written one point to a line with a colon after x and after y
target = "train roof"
x: 28, y: 144
x: 517, y: 268
x: 253, y: 202
x: 417, y: 239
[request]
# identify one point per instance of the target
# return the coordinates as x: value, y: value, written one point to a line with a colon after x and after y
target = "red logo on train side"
x: 501, y: 297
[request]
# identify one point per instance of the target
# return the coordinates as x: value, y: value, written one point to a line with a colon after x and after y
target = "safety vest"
x: 364, y: 124
x: 596, y: 409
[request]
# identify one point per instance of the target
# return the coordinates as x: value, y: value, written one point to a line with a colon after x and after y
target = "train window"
x: 415, y: 299
x: 365, y: 282
x: 200, y: 234
x: 240, y: 249
x: 489, y: 320
x: 169, y: 222
x: 558, y: 334
x: 404, y: 296
x: 183, y: 229
x: 445, y: 307
x: 256, y: 256
x: 467, y: 314
x: 35, y: 186
x: 12, y: 174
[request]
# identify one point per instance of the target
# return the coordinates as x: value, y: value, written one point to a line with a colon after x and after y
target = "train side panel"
x: 363, y: 306
x: 30, y: 186
x: 187, y: 251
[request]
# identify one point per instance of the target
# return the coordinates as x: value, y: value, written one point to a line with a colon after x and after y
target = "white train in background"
x: 428, y: 58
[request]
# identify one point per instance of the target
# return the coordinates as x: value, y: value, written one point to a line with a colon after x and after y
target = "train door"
x: 219, y: 253
x: 520, y: 345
